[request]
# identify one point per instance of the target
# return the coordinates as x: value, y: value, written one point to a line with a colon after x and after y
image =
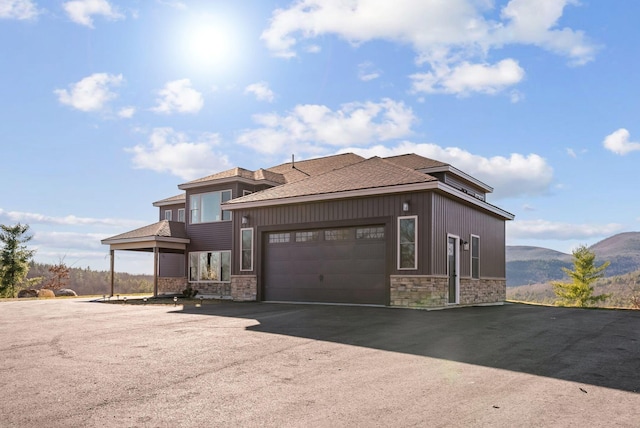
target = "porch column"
x: 155, y: 271
x: 111, y: 263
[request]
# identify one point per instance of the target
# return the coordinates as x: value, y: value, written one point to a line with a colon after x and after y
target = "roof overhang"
x: 463, y: 175
x: 147, y: 243
x: 233, y: 179
x: 404, y: 188
x: 166, y: 203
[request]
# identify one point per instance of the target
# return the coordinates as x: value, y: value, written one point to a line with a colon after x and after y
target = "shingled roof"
x: 366, y: 174
x: 237, y: 172
x: 413, y: 161
x: 177, y: 199
x: 161, y: 229
x: 300, y: 170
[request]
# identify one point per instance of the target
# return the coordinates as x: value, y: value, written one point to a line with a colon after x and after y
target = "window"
x: 246, y: 249
x: 167, y: 215
x: 306, y: 236
x: 336, y: 235
x: 206, y: 207
x: 210, y: 266
x: 407, y: 242
x: 181, y: 214
x: 278, y: 238
x: 475, y: 256
x: 370, y: 232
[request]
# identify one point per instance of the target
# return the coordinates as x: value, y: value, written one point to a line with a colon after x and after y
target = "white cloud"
x: 69, y: 240
x: 171, y: 151
x: 312, y: 128
x: 571, y: 153
x: 82, y: 11
x: 367, y: 72
x: 18, y: 9
x: 432, y: 27
x: 513, y: 176
x: 69, y: 220
x: 90, y: 93
x: 127, y: 112
x: 466, y: 78
x: 261, y: 91
x: 178, y: 96
x: 544, y: 229
x: 453, y: 38
x: 618, y: 142
x: 174, y: 4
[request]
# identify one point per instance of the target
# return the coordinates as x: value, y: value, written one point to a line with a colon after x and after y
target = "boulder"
x: 66, y: 292
x: 45, y: 292
x: 27, y: 293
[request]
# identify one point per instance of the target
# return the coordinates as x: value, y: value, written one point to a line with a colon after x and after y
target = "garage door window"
x: 278, y: 238
x: 214, y: 266
x: 246, y: 249
x: 370, y: 232
x: 407, y: 242
x: 337, y: 235
x: 306, y: 236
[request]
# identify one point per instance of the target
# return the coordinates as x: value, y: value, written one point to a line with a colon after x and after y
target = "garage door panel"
x: 347, y: 271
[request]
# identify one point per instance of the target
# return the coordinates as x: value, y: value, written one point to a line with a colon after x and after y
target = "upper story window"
x: 168, y: 214
x: 207, y: 207
x: 181, y: 214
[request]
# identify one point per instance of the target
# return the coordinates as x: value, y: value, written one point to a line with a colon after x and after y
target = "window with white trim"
x: 210, y: 266
x: 279, y: 238
x: 181, y: 214
x: 207, y: 207
x: 168, y: 214
x: 408, y: 242
x: 475, y: 256
x: 246, y: 249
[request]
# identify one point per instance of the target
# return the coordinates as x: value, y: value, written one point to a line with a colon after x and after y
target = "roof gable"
x: 164, y: 229
x: 414, y: 161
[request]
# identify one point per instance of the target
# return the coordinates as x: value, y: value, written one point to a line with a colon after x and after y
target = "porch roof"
x: 165, y: 234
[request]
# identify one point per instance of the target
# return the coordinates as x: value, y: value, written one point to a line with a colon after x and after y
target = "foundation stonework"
x: 216, y: 290
x: 244, y: 288
x: 426, y: 291
x: 169, y: 285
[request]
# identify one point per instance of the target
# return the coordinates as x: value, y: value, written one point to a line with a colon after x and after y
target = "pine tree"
x: 579, y: 291
x: 14, y: 257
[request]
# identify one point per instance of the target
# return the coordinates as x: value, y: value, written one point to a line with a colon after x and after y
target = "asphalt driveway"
x: 80, y: 363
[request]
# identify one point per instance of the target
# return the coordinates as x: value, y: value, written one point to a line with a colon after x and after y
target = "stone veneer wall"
x: 483, y: 290
x: 424, y: 291
x: 218, y: 290
x: 244, y: 288
x: 167, y: 285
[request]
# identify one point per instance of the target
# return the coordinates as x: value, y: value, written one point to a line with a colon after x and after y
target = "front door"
x: 452, y: 268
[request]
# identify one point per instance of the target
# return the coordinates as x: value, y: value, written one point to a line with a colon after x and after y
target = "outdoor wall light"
x: 245, y: 219
x: 405, y: 206
x: 465, y: 245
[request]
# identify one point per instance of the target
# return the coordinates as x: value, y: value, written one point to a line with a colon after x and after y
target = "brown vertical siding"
x: 452, y: 217
x: 209, y: 236
x: 172, y: 265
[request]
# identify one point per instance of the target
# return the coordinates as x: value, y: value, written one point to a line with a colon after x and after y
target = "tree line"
x: 18, y: 271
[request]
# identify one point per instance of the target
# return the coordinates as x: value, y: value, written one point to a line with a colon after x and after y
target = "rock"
x: 45, y: 292
x: 67, y: 292
x: 27, y: 293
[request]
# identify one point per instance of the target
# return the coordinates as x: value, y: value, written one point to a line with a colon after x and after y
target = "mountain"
x: 532, y: 265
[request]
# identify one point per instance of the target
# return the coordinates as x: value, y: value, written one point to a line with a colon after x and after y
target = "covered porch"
x: 163, y: 237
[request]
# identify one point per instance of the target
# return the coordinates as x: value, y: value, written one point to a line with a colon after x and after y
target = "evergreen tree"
x: 579, y: 291
x: 14, y: 257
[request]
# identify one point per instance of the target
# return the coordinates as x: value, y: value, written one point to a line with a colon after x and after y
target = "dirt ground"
x: 77, y: 363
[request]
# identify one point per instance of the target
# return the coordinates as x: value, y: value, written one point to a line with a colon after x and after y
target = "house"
x: 402, y: 231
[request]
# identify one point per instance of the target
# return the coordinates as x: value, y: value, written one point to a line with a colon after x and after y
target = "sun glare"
x: 210, y: 44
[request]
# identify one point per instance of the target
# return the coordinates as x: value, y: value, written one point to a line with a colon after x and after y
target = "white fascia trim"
x: 166, y: 203
x: 234, y: 179
x: 415, y: 187
x: 463, y: 175
x: 109, y: 241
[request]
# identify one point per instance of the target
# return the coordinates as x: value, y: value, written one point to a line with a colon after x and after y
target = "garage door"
x: 344, y: 265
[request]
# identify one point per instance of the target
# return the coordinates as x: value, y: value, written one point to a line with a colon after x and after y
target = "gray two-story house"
x: 398, y: 231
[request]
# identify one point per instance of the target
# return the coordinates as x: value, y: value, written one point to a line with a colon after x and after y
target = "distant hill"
x: 532, y: 265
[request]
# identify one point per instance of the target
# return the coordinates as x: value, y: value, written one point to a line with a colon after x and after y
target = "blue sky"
x: 108, y: 105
